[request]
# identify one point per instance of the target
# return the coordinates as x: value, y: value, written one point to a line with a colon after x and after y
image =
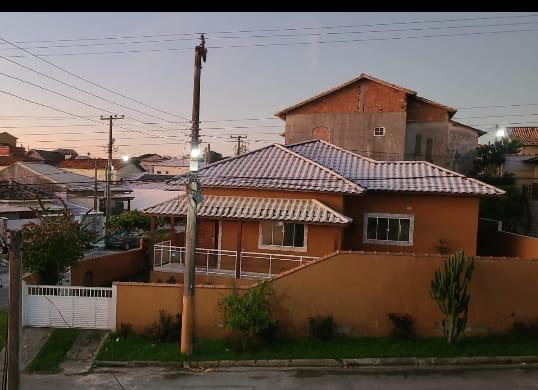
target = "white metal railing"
x: 251, y: 261
x: 257, y: 265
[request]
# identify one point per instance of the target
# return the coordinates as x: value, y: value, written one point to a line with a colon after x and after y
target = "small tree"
x: 248, y: 315
x: 449, y: 288
x: 129, y: 220
x: 54, y: 244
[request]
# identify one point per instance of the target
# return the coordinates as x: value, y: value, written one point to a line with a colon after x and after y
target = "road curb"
x: 330, y: 363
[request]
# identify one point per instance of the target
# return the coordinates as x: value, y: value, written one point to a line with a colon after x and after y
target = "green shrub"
x: 248, y: 316
x: 526, y: 329
x: 322, y: 328
x: 166, y: 329
x: 402, y: 325
x: 125, y: 330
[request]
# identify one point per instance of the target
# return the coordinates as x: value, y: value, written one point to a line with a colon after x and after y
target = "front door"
x: 207, y: 238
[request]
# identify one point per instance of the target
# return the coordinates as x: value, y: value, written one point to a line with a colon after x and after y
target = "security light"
x: 125, y: 158
x: 195, y: 152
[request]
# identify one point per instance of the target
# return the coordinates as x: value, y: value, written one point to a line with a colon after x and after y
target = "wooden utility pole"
x: 109, y: 118
x: 95, y: 197
x: 187, y: 317
x: 14, y: 311
x: 239, y: 143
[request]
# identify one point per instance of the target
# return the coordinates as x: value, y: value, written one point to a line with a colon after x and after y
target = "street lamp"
x: 125, y: 158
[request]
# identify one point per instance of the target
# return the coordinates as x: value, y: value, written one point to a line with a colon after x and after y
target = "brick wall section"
x: 358, y: 289
x: 109, y: 268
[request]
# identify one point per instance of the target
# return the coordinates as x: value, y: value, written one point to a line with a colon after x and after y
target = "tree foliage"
x: 129, y: 220
x: 54, y: 244
x: 490, y: 157
x: 449, y: 288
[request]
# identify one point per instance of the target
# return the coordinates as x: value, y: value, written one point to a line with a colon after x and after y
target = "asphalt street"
x: 491, y: 378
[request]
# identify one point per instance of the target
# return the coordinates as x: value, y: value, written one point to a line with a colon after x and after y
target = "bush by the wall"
x: 402, y: 325
x: 322, y: 328
x: 526, y: 329
x: 248, y: 316
x: 166, y: 329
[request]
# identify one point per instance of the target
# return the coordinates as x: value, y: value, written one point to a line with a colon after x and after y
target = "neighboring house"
x: 45, y: 156
x: 383, y: 121
x: 77, y: 191
x: 314, y: 198
x: 528, y: 136
x: 19, y: 204
x: 149, y: 189
x: 86, y: 167
x: 148, y: 160
x: 10, y: 153
x: 170, y: 166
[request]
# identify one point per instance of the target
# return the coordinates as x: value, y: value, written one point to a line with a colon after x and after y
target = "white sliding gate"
x: 69, y: 307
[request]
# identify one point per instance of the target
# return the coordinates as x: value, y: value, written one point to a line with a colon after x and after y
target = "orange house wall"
x: 453, y: 219
x: 418, y: 111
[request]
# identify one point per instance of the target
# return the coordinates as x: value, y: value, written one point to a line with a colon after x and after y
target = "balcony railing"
x: 248, y: 265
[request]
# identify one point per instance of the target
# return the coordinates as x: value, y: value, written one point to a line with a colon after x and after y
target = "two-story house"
x: 383, y: 121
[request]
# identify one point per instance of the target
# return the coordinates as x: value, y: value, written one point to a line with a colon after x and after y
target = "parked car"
x: 122, y: 240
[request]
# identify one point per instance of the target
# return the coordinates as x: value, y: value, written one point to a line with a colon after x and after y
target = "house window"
x: 429, y: 149
x: 388, y: 229
x: 158, y: 172
x: 379, y: 132
x: 418, y: 145
x: 282, y: 234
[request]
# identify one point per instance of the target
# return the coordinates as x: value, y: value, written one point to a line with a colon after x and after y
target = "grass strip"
x: 53, y: 352
x: 137, y: 347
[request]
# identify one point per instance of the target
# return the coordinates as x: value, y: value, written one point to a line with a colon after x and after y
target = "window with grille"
x: 388, y: 229
x: 379, y: 131
x: 418, y: 145
x: 282, y: 234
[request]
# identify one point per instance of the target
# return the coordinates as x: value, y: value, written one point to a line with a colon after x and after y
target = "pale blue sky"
x: 255, y: 82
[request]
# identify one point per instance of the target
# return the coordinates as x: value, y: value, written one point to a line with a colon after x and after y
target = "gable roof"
x: 273, y: 167
x: 363, y: 76
x: 46, y: 155
x: 527, y: 135
x: 406, y: 176
x: 477, y: 131
x: 102, y: 163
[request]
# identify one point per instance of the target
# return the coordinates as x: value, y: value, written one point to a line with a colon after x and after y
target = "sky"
x: 470, y: 69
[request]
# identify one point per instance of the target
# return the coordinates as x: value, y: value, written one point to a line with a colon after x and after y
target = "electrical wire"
x: 235, y: 46
x: 89, y: 81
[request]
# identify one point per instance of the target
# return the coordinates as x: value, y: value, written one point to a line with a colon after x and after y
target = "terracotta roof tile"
x: 527, y: 135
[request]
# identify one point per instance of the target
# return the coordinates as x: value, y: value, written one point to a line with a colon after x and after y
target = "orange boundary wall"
x: 358, y: 289
x: 493, y: 241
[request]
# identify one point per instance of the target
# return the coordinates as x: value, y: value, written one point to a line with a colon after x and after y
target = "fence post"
x: 270, y: 263
x: 207, y: 263
x: 112, y: 307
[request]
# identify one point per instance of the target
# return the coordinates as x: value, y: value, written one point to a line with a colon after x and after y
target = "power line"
x: 196, y: 34
x: 235, y: 46
x: 90, y: 82
x: 77, y: 88
x: 274, y: 36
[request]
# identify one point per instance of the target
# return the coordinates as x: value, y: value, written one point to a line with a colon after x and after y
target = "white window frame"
x: 366, y: 240
x: 379, y: 135
x: 303, y: 248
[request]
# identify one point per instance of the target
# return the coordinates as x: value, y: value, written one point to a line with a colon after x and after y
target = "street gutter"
x: 332, y: 363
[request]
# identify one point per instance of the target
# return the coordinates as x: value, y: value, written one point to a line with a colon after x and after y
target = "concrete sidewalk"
x: 33, y: 340
x: 80, y: 358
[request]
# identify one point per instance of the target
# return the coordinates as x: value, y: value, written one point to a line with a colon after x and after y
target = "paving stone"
x: 245, y: 363
x: 273, y: 363
x: 315, y: 363
x: 208, y: 363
